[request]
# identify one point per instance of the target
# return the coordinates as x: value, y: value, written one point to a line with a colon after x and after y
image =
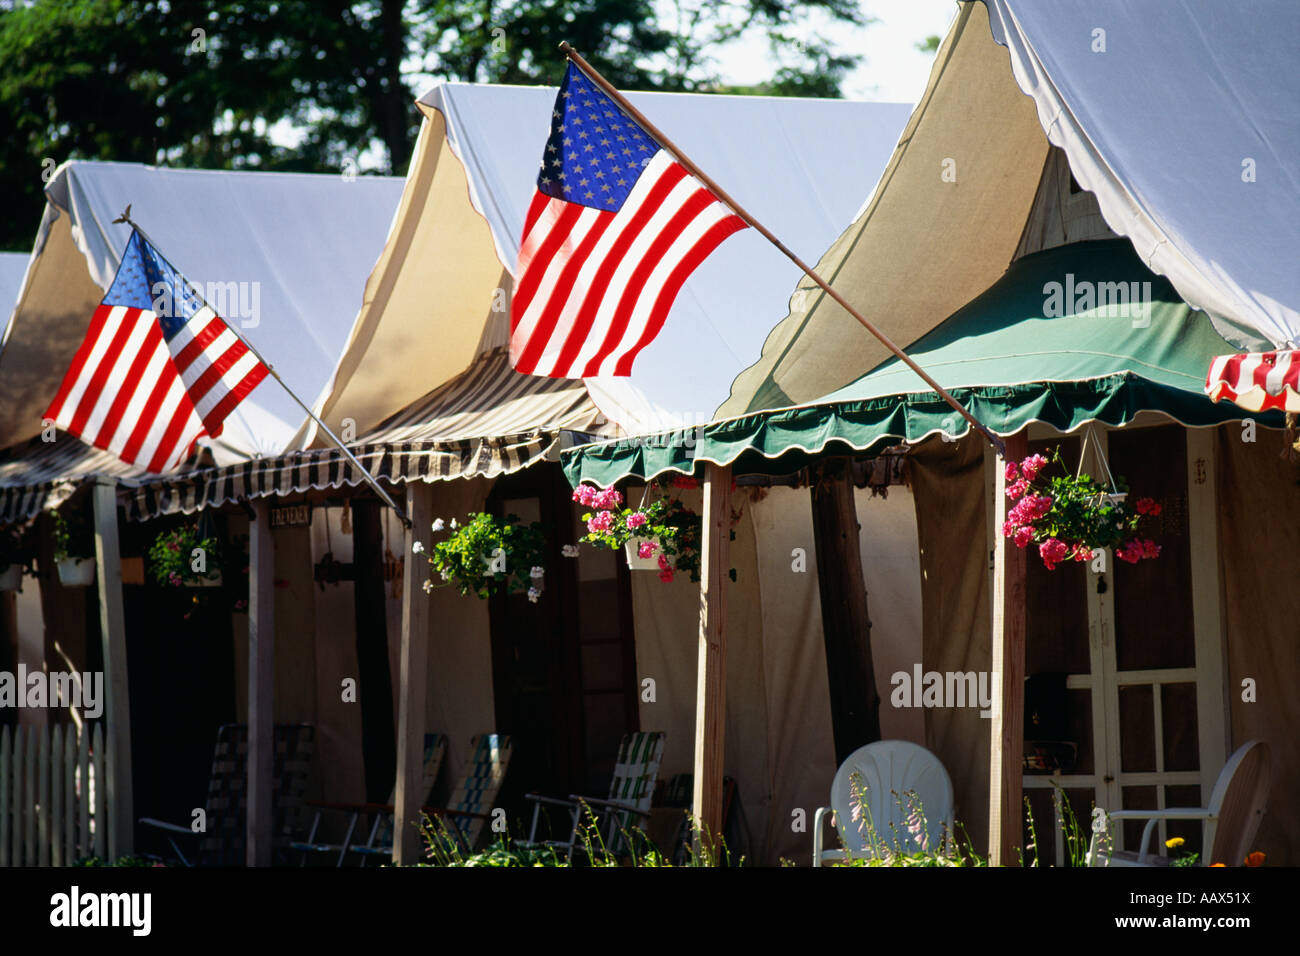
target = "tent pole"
x: 112, y: 628
x: 1007, y: 730
x: 261, y: 680
x: 711, y: 675
x: 413, y: 683
x: 763, y: 231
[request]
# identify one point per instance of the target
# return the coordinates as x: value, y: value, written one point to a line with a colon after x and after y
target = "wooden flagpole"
x: 370, y: 479
x: 762, y: 230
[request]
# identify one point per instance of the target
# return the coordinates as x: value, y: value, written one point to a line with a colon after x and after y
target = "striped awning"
x: 41, y: 475
x: 489, y: 421
x: 1257, y: 381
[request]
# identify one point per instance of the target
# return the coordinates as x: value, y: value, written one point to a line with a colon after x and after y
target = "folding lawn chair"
x: 379, y: 841
x: 630, y: 792
x: 222, y: 840
x: 1229, y: 822
x: 470, y: 805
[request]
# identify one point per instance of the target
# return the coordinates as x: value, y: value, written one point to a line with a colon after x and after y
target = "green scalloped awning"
x: 1007, y: 356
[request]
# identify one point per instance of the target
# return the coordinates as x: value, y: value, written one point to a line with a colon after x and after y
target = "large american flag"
x: 157, y: 369
x: 615, y: 227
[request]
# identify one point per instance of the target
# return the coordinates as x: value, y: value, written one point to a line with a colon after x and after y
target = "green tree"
x: 306, y: 84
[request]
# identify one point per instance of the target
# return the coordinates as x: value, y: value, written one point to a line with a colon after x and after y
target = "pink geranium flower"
x: 635, y: 520
x: 663, y: 563
x: 583, y: 494
x: 666, y: 576
x: 600, y: 521
x: 1052, y: 552
x: 645, y: 549
x: 1032, y: 465
x: 609, y: 498
x: 1017, y: 488
x: 1024, y: 536
x: 1011, y: 473
x: 1148, y: 506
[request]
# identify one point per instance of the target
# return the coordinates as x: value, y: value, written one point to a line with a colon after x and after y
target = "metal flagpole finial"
x: 125, y: 217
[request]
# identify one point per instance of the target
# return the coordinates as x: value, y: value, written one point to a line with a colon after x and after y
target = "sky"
x: 893, y: 69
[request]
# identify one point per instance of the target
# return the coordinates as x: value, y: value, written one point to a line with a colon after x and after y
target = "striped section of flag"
x: 614, y: 230
x: 156, y: 370
x: 1257, y: 381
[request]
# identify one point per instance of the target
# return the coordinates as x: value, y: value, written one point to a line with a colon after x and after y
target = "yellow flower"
x: 1218, y: 864
x: 1255, y: 859
x: 1174, y: 842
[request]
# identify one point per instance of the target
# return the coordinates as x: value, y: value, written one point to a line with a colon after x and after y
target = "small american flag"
x: 615, y: 228
x: 157, y: 369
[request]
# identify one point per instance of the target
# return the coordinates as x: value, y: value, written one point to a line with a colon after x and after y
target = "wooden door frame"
x: 1210, y: 643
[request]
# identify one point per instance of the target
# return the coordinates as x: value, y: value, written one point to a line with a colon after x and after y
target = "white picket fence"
x: 50, y: 807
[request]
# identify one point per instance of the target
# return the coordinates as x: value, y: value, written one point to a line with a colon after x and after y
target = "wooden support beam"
x: 117, y: 709
x: 261, y: 683
x: 846, y: 624
x: 413, y: 681
x: 711, y: 679
x: 1007, y: 730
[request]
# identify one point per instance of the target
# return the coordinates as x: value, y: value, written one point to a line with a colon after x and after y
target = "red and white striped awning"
x: 1257, y: 381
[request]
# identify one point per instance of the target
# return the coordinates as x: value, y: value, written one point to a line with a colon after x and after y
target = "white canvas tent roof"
x: 13, y: 265
x: 801, y: 166
x: 1158, y: 127
x: 297, y: 246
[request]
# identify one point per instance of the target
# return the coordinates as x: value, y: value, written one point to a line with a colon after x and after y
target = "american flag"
x: 615, y: 227
x: 157, y: 369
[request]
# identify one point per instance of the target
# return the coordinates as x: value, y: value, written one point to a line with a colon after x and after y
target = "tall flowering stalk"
x: 1069, y: 516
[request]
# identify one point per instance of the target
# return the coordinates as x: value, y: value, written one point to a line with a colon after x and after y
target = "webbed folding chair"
x: 222, y: 839
x: 630, y: 792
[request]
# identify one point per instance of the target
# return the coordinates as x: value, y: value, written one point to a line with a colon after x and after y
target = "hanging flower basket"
x: 660, y: 534
x: 487, y: 555
x: 642, y: 553
x: 1069, y: 517
x: 76, y: 572
x: 184, y: 557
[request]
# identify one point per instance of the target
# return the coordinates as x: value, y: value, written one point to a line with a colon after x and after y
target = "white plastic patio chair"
x: 887, y: 772
x: 1229, y: 822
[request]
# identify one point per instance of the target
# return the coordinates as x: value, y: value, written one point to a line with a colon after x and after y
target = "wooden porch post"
x: 711, y: 681
x: 117, y: 709
x: 1007, y: 730
x: 261, y: 682
x: 413, y: 679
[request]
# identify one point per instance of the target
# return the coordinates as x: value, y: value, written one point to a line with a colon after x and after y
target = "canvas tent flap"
x: 437, y: 298
x: 939, y: 229
x: 1198, y: 166
x: 1001, y: 357
x: 487, y: 422
x: 281, y: 255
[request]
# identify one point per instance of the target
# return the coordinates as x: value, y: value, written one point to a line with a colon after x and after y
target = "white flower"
x: 534, y: 594
x: 537, y: 573
x: 446, y: 575
x: 428, y: 586
x: 570, y: 550
x: 454, y: 526
x: 438, y: 524
x: 417, y: 548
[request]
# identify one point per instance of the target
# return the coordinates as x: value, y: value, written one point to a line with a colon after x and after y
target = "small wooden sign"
x: 291, y: 516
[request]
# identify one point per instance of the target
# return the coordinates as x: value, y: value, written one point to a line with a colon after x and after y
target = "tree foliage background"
x: 316, y: 85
